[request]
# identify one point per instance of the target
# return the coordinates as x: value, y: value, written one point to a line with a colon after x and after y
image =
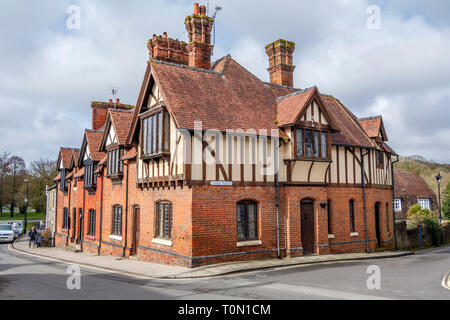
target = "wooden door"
x: 307, y: 226
x: 136, y: 229
x: 377, y: 223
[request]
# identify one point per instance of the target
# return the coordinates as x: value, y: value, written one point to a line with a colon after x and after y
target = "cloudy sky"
x: 50, y: 73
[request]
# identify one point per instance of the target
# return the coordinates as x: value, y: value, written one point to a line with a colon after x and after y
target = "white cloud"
x: 49, y: 74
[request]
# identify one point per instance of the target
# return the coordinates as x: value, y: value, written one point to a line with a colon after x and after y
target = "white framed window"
x: 398, y: 205
x: 424, y: 203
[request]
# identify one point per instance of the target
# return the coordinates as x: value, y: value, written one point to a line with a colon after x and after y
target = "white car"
x: 7, y: 233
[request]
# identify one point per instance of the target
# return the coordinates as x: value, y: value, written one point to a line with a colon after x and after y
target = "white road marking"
x: 333, y: 294
x: 446, y: 281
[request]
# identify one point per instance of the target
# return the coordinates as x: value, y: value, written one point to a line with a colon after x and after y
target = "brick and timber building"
x: 214, y: 165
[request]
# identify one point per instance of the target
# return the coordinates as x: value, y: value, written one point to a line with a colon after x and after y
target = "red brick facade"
x: 201, y: 219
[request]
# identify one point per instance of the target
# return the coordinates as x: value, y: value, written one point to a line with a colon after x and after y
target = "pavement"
x: 424, y: 275
x: 160, y: 271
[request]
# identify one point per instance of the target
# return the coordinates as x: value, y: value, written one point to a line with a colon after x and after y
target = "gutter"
x: 126, y: 212
x: 363, y: 180
x: 101, y: 216
x: 277, y: 198
x: 393, y: 201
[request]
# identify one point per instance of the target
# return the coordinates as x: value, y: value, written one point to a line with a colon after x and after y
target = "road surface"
x: 421, y: 276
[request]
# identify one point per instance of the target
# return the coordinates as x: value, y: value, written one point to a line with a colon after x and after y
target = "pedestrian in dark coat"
x: 32, y: 237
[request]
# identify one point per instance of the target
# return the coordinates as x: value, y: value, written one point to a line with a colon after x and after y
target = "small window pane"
x: 149, y: 136
x: 299, y: 143
x: 144, y: 136
x: 324, y: 146
x: 241, y: 222
x: 160, y: 132
x: 316, y: 144
x: 251, y: 222
x: 308, y: 143
x: 154, y: 143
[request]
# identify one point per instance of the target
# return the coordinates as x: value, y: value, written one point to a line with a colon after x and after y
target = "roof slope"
x: 93, y: 139
x: 373, y: 126
x: 230, y: 97
x: 350, y: 132
x: 65, y: 155
x: 121, y: 121
x: 408, y: 183
x: 234, y: 99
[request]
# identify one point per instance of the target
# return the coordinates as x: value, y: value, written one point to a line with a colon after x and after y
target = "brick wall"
x: 204, y: 221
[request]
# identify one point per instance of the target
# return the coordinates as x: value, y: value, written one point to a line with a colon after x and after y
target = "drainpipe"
x: 393, y: 204
x: 126, y: 212
x: 101, y: 217
x: 82, y: 219
x: 277, y: 198
x: 68, y: 214
x: 364, y: 198
x: 56, y: 216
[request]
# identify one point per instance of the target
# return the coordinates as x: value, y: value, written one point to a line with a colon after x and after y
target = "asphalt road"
x: 412, y: 277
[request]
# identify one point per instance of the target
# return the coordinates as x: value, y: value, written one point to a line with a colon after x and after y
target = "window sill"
x: 117, y: 238
x: 354, y: 234
x: 163, y: 242
x: 249, y: 243
x: 331, y: 236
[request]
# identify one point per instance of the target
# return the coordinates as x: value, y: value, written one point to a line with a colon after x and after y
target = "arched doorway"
x: 377, y: 223
x: 307, y: 226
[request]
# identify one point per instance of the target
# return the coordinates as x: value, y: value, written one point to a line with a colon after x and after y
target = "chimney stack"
x: 281, y: 67
x: 166, y: 49
x: 199, y: 29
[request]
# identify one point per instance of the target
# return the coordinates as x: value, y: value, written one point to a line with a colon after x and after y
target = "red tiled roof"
x: 290, y: 107
x: 371, y: 126
x: 104, y: 160
x: 65, y: 156
x: 230, y: 97
x: 234, y: 99
x: 58, y: 177
x: 93, y: 139
x: 80, y: 173
x: 350, y: 132
x: 408, y: 183
x: 70, y: 175
x: 122, y: 122
x: 131, y: 154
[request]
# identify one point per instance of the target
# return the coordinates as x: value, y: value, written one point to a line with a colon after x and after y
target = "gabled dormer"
x: 151, y: 122
x: 114, y: 142
x: 306, y: 117
x: 63, y: 166
x: 90, y: 157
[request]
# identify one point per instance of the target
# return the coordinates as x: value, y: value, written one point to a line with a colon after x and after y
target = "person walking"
x: 32, y: 237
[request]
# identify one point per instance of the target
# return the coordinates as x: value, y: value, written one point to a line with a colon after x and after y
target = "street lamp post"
x: 439, y: 180
x: 26, y: 209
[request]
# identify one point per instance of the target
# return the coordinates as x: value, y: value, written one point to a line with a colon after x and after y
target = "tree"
x: 446, y: 202
x: 5, y: 169
x: 41, y: 174
x: 18, y: 171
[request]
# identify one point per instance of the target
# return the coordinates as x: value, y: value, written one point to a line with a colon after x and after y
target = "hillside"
x: 427, y: 170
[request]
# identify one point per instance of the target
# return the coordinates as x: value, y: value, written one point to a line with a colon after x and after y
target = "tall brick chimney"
x: 199, y: 48
x: 100, y: 111
x: 281, y: 67
x: 167, y: 49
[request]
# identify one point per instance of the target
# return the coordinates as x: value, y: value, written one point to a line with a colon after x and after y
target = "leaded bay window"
x: 89, y: 176
x: 63, y: 183
x: 155, y: 133
x: 311, y: 144
x: 115, y: 166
